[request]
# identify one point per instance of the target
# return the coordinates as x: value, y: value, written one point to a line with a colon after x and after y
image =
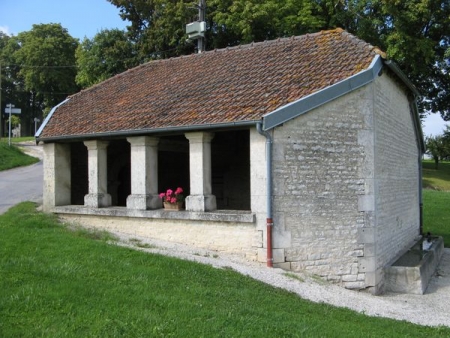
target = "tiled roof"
x: 228, y: 85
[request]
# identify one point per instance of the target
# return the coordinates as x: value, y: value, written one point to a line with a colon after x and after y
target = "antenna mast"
x: 201, y: 17
x: 196, y: 30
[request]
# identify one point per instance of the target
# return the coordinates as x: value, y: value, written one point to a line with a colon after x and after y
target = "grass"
x: 58, y: 282
x: 436, y: 179
x: 12, y: 156
x: 436, y: 199
x: 436, y: 214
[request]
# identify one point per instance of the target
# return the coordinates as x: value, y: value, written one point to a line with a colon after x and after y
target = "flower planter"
x: 173, y: 206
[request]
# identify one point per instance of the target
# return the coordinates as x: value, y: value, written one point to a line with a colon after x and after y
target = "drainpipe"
x: 269, y: 219
x: 420, y: 195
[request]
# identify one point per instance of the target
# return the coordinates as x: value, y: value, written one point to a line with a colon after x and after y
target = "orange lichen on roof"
x: 228, y: 85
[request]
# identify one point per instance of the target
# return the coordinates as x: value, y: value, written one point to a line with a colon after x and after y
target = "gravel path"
x: 430, y: 309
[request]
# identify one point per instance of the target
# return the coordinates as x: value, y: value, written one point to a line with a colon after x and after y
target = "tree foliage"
x: 47, y: 58
x: 109, y: 53
x: 438, y: 147
x: 38, y: 70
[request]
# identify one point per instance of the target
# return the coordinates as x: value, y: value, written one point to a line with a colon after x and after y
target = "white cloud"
x: 5, y: 29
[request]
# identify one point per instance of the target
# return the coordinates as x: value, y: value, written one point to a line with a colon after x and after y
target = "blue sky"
x: 85, y: 18
x: 82, y: 18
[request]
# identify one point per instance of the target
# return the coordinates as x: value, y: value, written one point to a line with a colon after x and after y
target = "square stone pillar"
x: 57, y: 175
x: 144, y: 173
x: 98, y: 175
x: 201, y: 197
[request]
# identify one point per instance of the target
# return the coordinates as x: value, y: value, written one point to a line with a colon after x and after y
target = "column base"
x: 201, y: 203
x: 144, y: 202
x: 97, y: 200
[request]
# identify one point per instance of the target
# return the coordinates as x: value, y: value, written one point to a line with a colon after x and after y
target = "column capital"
x: 96, y: 144
x: 199, y: 137
x: 142, y: 141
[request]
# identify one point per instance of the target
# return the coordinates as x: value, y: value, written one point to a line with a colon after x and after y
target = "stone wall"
x: 317, y: 164
x: 228, y: 237
x: 346, y: 186
x: 397, y: 181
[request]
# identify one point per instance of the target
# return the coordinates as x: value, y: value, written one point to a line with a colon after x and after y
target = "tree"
x: 107, y: 54
x: 418, y: 36
x: 157, y: 26
x: 446, y: 140
x: 10, y: 82
x: 42, y: 69
x: 437, y: 148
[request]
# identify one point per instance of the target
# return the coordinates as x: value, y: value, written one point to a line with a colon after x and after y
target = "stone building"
x: 303, y: 151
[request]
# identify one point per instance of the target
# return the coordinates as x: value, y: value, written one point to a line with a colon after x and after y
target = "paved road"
x: 21, y: 184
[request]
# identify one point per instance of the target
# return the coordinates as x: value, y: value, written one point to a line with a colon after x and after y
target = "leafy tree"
x: 109, y: 53
x: 47, y: 60
x: 41, y: 69
x: 418, y: 35
x: 15, y: 121
x: 157, y: 26
x: 437, y: 148
x: 10, y: 83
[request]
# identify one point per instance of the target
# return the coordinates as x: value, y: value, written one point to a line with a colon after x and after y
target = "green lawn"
x: 436, y: 214
x: 12, y: 156
x: 57, y: 282
x: 436, y: 199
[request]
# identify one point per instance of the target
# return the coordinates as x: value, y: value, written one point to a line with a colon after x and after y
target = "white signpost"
x: 11, y: 110
x: 36, y: 121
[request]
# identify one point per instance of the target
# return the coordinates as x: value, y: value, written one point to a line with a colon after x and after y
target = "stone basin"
x: 412, y: 272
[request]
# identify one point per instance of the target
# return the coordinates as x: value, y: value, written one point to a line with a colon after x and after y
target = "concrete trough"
x: 412, y: 272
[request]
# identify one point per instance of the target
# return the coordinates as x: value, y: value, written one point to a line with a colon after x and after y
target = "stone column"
x: 98, y: 180
x: 201, y: 197
x: 57, y: 175
x: 144, y: 173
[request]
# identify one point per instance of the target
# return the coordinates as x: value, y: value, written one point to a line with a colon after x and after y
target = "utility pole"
x: 10, y: 106
x: 201, y: 42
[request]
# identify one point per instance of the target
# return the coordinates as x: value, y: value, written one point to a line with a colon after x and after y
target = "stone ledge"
x: 236, y: 216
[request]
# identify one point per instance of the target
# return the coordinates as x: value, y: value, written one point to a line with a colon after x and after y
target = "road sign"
x: 13, y: 110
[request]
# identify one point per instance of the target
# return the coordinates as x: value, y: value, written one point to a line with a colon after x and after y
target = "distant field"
x: 436, y: 179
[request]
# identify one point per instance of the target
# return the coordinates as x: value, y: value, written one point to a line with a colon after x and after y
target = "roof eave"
x: 307, y: 103
x: 140, y: 132
x: 49, y: 116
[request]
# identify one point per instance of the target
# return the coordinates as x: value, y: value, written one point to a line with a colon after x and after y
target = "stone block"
x: 284, y: 266
x: 201, y: 203
x: 366, y: 235
x: 97, y: 200
x: 143, y: 202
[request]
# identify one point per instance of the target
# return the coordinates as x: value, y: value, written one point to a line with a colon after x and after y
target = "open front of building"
x: 307, y: 168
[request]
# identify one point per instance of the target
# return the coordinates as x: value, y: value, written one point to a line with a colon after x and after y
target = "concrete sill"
x: 236, y: 216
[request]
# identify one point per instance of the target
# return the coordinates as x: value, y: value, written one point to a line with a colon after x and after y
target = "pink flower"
x: 173, y: 200
x: 161, y: 195
x: 169, y: 192
x: 178, y: 191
